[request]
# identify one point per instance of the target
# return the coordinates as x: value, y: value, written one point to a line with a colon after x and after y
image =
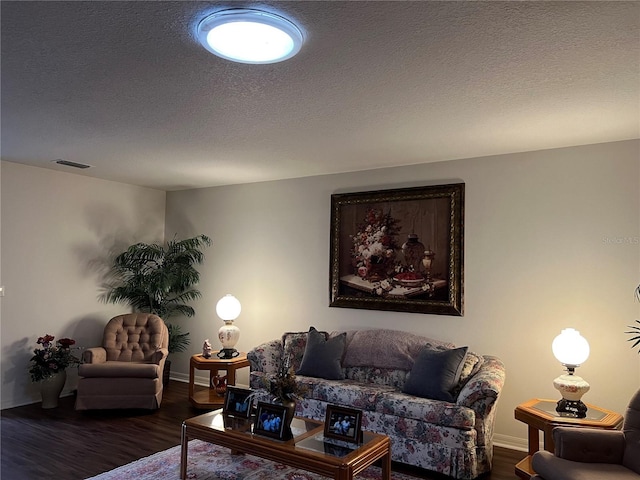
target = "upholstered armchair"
x: 594, y: 454
x: 126, y: 371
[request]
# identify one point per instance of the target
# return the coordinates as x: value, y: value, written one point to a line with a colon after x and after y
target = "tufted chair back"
x: 134, y: 337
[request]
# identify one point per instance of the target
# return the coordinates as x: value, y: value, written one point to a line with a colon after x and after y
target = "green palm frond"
x: 635, y: 330
x: 178, y: 341
x: 157, y: 278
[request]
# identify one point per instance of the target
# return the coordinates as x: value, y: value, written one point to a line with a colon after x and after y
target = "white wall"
x: 551, y: 241
x: 58, y: 230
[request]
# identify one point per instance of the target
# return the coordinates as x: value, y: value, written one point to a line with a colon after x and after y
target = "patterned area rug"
x: 211, y: 462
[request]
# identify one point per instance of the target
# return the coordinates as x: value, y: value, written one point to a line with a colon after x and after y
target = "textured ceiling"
x: 124, y: 87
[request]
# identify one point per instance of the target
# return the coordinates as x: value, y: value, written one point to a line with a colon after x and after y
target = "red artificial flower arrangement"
x: 51, y: 358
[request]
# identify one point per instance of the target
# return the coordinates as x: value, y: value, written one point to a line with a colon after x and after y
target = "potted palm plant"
x: 635, y: 329
x: 160, y: 279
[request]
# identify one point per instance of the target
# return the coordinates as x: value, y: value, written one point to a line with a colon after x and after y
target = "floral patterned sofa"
x: 453, y: 437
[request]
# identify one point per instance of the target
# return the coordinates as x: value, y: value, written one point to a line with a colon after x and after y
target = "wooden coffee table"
x: 307, y: 450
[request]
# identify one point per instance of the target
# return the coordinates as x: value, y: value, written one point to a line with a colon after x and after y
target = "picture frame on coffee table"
x: 270, y: 421
x: 398, y: 249
x: 237, y: 402
x: 342, y: 423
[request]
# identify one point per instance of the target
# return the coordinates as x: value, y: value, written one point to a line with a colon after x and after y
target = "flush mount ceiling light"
x: 250, y: 36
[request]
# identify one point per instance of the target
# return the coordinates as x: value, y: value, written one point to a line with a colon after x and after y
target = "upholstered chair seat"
x: 594, y: 454
x: 126, y: 371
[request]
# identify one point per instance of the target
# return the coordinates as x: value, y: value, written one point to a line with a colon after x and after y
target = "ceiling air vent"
x: 71, y: 164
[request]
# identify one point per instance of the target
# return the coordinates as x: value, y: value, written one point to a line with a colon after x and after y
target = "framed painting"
x: 342, y: 423
x: 399, y: 250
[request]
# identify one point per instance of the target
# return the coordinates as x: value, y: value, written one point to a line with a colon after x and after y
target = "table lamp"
x: 571, y: 349
x: 228, y: 309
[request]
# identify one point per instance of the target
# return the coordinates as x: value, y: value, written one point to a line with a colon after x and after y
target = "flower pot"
x: 291, y: 412
x: 51, y: 388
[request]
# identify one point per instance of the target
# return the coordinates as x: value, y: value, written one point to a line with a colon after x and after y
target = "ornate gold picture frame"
x: 399, y: 249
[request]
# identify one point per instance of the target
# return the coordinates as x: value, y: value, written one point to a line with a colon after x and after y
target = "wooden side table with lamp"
x: 571, y: 349
x: 541, y: 415
x: 228, y: 359
x: 211, y: 397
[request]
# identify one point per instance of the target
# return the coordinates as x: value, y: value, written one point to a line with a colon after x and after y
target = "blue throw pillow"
x: 323, y: 357
x: 435, y: 373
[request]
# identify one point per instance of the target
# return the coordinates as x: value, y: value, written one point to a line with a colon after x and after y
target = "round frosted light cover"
x: 250, y: 36
x: 228, y: 307
x: 570, y: 348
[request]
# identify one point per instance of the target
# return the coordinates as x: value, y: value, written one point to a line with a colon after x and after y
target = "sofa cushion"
x: 344, y: 392
x: 293, y: 345
x: 322, y: 357
x: 386, y: 400
x: 436, y: 373
x: 390, y: 349
x: 380, y: 376
x: 425, y: 409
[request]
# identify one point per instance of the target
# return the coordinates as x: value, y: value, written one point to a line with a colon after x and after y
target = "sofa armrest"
x: 94, y: 355
x: 483, y: 389
x: 590, y: 445
x: 266, y: 358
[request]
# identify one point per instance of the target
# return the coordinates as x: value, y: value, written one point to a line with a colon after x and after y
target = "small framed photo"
x: 270, y: 421
x: 237, y: 402
x: 343, y: 423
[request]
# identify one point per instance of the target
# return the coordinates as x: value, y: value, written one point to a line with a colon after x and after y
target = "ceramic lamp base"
x: 227, y: 353
x: 572, y: 388
x: 228, y: 335
x: 571, y: 408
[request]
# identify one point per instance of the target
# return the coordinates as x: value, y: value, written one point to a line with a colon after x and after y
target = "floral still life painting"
x: 399, y: 249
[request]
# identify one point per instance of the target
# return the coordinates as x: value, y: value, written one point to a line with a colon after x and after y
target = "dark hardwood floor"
x: 64, y: 444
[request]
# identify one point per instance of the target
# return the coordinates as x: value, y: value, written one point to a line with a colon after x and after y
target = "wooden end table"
x: 540, y: 414
x: 208, y: 398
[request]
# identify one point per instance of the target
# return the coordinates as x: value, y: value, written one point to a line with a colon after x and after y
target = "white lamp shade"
x: 570, y: 348
x: 228, y: 307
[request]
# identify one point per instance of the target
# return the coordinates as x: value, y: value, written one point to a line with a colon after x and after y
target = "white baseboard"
x: 13, y: 403
x: 181, y: 377
x: 184, y: 378
x: 512, y: 443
